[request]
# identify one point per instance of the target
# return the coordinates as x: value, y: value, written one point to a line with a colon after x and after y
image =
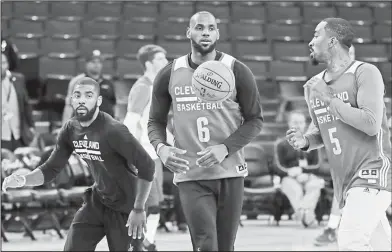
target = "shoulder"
x: 111, y: 125
x: 367, y: 67
x: 239, y: 67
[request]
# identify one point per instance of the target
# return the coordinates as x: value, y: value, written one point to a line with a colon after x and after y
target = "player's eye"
x: 212, y: 28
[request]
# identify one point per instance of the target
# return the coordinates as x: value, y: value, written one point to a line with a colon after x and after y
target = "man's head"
x: 94, y: 63
x: 332, y: 35
x: 86, y: 98
x: 297, y: 119
x: 4, y: 65
x: 203, y: 32
x: 152, y: 58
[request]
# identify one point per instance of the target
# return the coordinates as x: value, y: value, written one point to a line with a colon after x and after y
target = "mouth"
x: 205, y: 42
x: 81, y: 110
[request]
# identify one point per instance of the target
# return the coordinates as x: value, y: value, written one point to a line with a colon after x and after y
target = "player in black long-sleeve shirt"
x: 114, y: 158
x: 207, y: 160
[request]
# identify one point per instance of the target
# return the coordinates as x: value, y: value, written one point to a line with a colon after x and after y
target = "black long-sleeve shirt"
x: 247, y: 96
x: 112, y: 154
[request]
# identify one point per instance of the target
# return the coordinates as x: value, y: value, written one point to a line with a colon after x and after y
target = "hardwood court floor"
x: 256, y: 235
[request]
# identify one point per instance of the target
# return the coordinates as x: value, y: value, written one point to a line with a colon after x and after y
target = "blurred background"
x: 49, y: 43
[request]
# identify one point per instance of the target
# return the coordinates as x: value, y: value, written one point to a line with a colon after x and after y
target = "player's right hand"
x: 13, y: 181
x: 295, y: 138
x: 170, y: 158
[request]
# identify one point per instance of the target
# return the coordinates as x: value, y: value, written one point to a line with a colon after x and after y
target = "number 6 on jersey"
x: 337, y: 150
x: 202, y: 131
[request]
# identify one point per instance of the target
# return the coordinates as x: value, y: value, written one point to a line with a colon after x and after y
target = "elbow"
x: 372, y: 131
x: 148, y: 173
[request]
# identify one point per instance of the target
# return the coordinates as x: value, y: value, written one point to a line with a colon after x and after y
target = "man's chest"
x: 88, y: 146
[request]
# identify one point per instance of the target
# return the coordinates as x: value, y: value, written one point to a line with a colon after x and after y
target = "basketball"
x: 213, y: 81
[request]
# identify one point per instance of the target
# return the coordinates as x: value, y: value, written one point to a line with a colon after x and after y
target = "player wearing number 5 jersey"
x: 346, y: 104
x: 207, y: 159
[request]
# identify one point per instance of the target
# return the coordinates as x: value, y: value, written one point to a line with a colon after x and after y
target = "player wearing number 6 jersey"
x: 207, y: 159
x: 346, y: 104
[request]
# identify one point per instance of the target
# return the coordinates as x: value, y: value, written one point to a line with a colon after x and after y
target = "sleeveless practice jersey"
x: 201, y: 124
x: 356, y: 158
x: 198, y: 124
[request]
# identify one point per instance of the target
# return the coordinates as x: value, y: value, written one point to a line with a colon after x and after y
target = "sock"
x: 152, y: 225
x: 333, y: 221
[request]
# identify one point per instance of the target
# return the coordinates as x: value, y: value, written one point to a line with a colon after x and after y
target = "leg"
x: 86, y: 229
x: 117, y: 233
x: 363, y: 211
x: 198, y: 200
x: 230, y: 201
x: 310, y: 199
x: 154, y: 198
x: 293, y: 190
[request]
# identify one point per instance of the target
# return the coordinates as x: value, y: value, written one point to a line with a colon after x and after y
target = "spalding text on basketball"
x: 207, y: 78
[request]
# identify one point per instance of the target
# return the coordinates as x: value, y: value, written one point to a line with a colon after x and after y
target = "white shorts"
x: 364, y: 225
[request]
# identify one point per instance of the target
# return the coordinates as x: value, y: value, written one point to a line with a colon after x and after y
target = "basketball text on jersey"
x: 188, y: 101
x: 88, y: 149
x: 322, y: 111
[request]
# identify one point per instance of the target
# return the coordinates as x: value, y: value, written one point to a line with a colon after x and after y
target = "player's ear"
x: 99, y: 101
x: 188, y: 32
x: 217, y: 34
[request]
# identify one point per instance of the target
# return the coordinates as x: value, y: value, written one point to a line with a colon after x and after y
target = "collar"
x: 194, y: 65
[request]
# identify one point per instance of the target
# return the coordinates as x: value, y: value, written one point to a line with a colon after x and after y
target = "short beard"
x: 88, y: 116
x: 314, y: 61
x: 200, y: 49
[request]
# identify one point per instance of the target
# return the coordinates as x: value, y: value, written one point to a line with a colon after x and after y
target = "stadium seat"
x: 6, y: 10
x: 100, y: 29
x: 146, y: 11
x: 29, y: 67
x: 248, y: 12
x: 312, y: 70
x: 259, y: 69
x: 287, y: 71
x: 176, y: 11
x: 69, y: 27
x: 108, y: 66
x: 285, y: 15
x: 57, y: 64
x: 291, y: 51
x: 253, y: 50
x: 314, y: 4
x: 27, y: 45
x: 4, y: 28
x: 172, y: 30
x: 128, y: 68
x: 74, y: 10
x: 219, y: 9
x: 347, y: 4
x: 308, y: 32
x: 284, y: 32
x: 382, y: 33
x: 36, y: 10
x: 224, y: 47
x: 104, y: 10
x: 371, y: 52
x: 247, y: 32
x: 313, y: 15
x: 268, y: 89
x: 59, y: 45
x: 383, y: 15
x: 138, y: 30
x: 386, y: 71
x: 129, y: 47
x: 26, y: 27
x: 356, y: 15
x: 175, y: 48
x: 363, y: 34
x: 105, y: 45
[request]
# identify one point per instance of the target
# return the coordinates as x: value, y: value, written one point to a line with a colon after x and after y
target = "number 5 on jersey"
x: 202, y: 131
x: 337, y: 150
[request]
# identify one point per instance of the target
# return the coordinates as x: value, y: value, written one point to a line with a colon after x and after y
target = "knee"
x: 352, y: 241
x: 153, y: 210
x: 206, y: 242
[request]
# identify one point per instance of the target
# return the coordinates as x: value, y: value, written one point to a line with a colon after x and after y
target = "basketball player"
x: 110, y: 151
x: 153, y: 59
x: 207, y: 160
x: 346, y: 105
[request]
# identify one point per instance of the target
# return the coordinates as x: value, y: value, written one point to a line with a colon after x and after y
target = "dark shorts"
x: 93, y: 221
x: 212, y: 210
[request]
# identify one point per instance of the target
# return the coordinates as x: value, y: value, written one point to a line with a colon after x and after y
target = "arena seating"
x: 271, y: 38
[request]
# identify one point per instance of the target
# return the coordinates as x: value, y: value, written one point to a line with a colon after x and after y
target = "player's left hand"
x: 212, y: 155
x: 136, y: 224
x: 319, y: 89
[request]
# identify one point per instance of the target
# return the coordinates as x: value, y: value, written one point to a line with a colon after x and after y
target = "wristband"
x: 159, y: 146
x: 138, y: 210
x: 24, y: 181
